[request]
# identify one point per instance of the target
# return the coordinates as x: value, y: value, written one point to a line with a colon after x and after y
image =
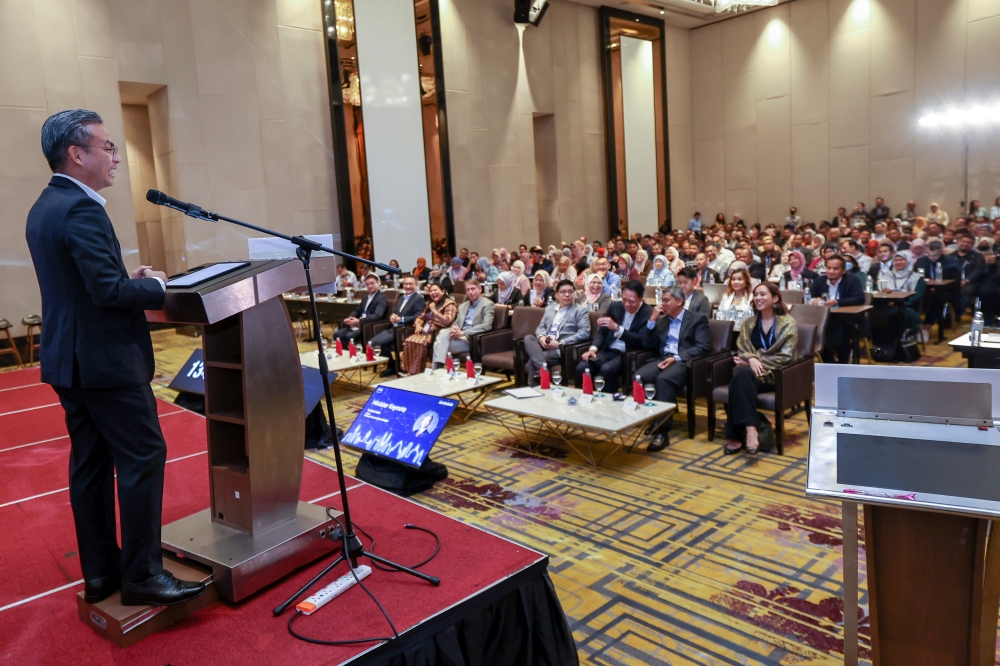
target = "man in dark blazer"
x: 373, y: 307
x: 621, y: 330
x: 837, y: 288
x: 694, y: 301
x: 678, y: 338
x: 408, y: 307
x: 704, y: 274
x: 97, y: 354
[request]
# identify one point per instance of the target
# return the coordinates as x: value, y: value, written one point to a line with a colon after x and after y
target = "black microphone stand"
x: 351, y: 547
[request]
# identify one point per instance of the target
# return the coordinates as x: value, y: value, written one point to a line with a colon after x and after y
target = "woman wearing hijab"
x: 457, y: 271
x: 660, y: 275
x: 918, y: 248
x: 674, y: 262
x: 642, y: 264
x: 507, y: 292
x: 439, y: 314
x: 564, y: 270
x: 521, y: 280
x: 593, y: 296
x: 797, y: 271
x: 421, y: 271
x: 541, y: 289
x: 485, y: 271
x: 902, y: 277
x: 624, y: 269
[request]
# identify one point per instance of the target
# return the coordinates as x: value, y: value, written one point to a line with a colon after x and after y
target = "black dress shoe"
x: 100, y: 589
x: 388, y: 372
x: 660, y: 442
x: 160, y: 590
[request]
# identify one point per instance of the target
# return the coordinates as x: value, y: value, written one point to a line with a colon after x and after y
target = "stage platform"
x: 492, y: 589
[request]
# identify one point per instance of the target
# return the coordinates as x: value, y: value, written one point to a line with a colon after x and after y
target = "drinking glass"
x: 378, y: 351
x: 650, y: 390
x: 478, y: 369
x: 599, y: 385
x: 556, y: 377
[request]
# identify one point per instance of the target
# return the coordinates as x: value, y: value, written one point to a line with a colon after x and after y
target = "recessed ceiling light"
x: 662, y: 12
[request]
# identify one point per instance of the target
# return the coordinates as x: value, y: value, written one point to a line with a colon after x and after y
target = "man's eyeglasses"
x: 110, y: 150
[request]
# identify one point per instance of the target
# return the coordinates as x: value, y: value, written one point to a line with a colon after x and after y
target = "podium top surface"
x: 233, y: 292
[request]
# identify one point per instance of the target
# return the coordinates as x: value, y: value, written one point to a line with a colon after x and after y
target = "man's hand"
x: 588, y: 355
x: 455, y: 333
x: 666, y: 363
x: 832, y: 302
x: 608, y: 323
x: 394, y: 318
x: 351, y: 321
x: 150, y: 273
x: 549, y: 342
x: 655, y: 314
x: 140, y: 272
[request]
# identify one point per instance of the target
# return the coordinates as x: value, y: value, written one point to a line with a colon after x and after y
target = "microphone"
x: 160, y: 199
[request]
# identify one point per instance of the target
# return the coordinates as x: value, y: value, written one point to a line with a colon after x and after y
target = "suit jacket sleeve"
x: 582, y: 326
x: 543, y: 326
x: 381, y: 305
x: 851, y: 292
x: 89, y: 238
x: 651, y: 336
x: 701, y: 305
x: 702, y: 340
x: 601, y: 337
x: 487, y: 323
x: 637, y: 339
x: 818, y: 287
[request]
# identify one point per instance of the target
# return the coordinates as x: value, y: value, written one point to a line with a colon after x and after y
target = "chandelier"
x: 344, y: 11
x: 741, y: 5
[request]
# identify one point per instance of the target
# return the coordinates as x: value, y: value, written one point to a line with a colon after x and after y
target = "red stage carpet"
x: 41, y: 572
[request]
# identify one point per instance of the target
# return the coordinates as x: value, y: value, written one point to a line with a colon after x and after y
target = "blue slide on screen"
x: 399, y: 425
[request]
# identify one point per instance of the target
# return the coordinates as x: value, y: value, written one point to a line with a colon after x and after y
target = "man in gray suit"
x: 564, y: 323
x: 475, y: 315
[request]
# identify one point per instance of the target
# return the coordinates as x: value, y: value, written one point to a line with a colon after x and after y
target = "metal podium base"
x: 242, y: 564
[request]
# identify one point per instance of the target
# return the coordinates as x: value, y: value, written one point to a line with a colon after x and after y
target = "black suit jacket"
x: 757, y: 271
x: 376, y: 307
x: 92, y: 309
x: 693, y: 342
x: 414, y: 306
x: 850, y: 291
x: 949, y: 267
x: 705, y: 273
x: 633, y: 338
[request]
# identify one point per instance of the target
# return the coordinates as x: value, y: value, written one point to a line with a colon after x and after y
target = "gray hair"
x: 675, y: 293
x: 65, y: 129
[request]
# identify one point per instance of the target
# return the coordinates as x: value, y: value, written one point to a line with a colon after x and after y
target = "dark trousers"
x: 538, y: 356
x: 839, y: 339
x: 387, y: 341
x: 115, y: 430
x: 608, y: 365
x: 668, y: 382
x: 743, y: 390
x: 345, y: 334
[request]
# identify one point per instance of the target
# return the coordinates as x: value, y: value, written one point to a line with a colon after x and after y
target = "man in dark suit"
x: 97, y: 354
x: 372, y: 308
x: 678, y: 338
x: 694, y: 301
x: 882, y: 261
x: 621, y: 330
x: 755, y: 268
x: 705, y: 275
x: 934, y: 301
x: 539, y: 262
x: 837, y: 288
x: 408, y: 307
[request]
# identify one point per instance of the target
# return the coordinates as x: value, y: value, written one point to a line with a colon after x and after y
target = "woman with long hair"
x: 766, y: 343
x: 737, y: 298
x: 438, y: 314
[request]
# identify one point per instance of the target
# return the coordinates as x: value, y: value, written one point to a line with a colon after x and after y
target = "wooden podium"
x: 920, y: 449
x: 256, y: 530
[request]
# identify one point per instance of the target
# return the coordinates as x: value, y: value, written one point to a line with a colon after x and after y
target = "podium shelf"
x: 235, y: 468
x: 225, y: 365
x: 234, y: 416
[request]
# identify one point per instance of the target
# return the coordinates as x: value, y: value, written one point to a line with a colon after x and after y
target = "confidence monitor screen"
x: 399, y: 425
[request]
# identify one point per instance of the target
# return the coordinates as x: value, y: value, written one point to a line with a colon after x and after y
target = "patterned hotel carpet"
x: 681, y: 557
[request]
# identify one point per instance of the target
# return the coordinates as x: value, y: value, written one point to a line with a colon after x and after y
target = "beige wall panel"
x: 811, y: 172
x: 983, y: 78
x: 59, y: 54
x: 941, y: 35
x: 453, y: 46
x: 984, y: 165
x: 739, y: 39
x: 199, y: 236
x: 595, y: 222
x: 300, y: 14
x: 850, y: 15
x: 182, y: 82
x: 739, y: 102
x: 708, y: 119
x: 566, y: 29
x: 773, y: 52
x: 738, y: 202
x: 278, y: 174
x: 774, y: 159
x: 809, y: 52
x: 678, y: 56
x: 893, y: 47
x: 530, y: 230
x: 505, y: 185
x: 21, y: 78
x: 707, y: 44
x: 320, y: 222
x: 849, y: 89
x: 537, y: 46
x: 471, y: 11
x: 938, y: 170
x: 223, y: 51
x: 588, y: 47
x: 138, y: 41
x: 849, y: 177
x: 93, y: 28
x: 525, y: 147
x: 709, y: 176
x: 232, y: 142
x: 982, y: 9
x: 893, y: 181
x: 681, y: 173
x: 894, y: 123
x: 741, y: 159
x: 267, y: 59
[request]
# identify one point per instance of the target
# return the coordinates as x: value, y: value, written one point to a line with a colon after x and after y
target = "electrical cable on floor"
x: 343, y: 533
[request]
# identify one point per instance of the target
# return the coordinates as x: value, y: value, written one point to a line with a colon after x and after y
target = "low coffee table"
x: 581, y: 426
x: 353, y: 372
x: 470, y: 394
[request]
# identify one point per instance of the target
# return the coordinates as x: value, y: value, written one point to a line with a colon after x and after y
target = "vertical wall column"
x: 640, y: 135
x: 390, y: 92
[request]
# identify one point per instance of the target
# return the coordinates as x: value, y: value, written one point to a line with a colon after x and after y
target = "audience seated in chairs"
x: 439, y: 313
x: 507, y: 292
x: 620, y: 331
x: 837, y: 288
x: 408, y: 307
x: 679, y: 338
x: 593, y: 297
x: 738, y: 296
x: 474, y: 316
x: 541, y: 289
x: 421, y: 271
x: 694, y: 301
x: 564, y: 323
x: 766, y: 343
x: 373, y: 307
x: 902, y: 277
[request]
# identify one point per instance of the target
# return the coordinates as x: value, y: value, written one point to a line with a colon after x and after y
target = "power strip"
x: 333, y: 590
